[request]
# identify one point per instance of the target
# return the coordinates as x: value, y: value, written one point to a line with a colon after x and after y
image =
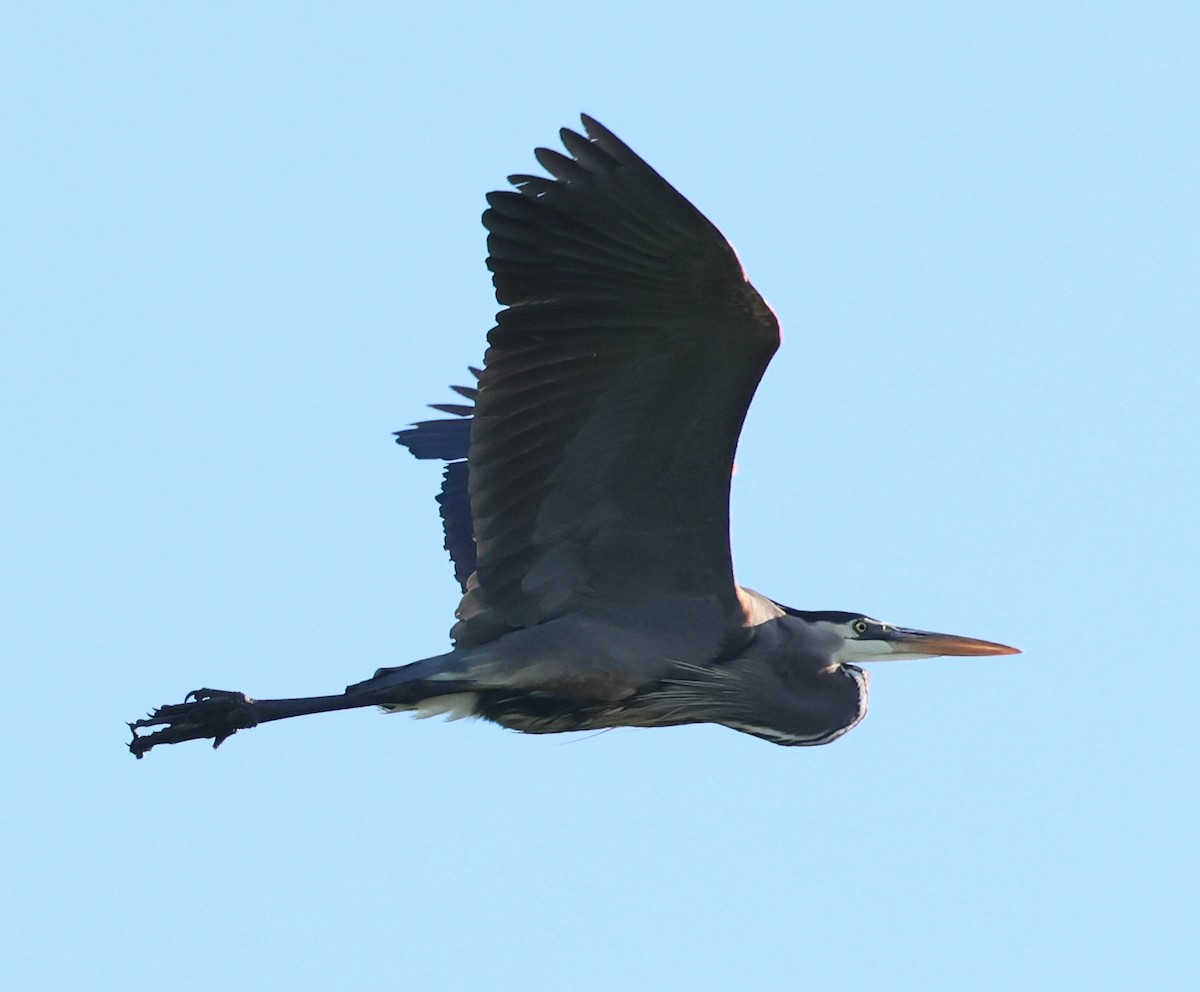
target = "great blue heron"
x: 586, y: 499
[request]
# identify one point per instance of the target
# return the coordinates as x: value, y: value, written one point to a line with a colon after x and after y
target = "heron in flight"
x: 586, y: 492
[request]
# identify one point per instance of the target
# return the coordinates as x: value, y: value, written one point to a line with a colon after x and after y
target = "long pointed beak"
x: 925, y: 643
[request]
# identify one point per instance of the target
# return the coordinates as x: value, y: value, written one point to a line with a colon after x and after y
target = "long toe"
x: 215, y: 714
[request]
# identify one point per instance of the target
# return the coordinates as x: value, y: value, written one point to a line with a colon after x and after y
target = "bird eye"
x: 859, y: 626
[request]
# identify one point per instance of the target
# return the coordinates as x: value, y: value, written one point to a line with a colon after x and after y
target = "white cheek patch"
x: 855, y: 651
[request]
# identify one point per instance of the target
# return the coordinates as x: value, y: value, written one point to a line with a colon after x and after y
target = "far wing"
x: 449, y: 440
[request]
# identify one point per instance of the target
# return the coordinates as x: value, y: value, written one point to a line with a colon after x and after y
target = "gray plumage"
x: 586, y: 495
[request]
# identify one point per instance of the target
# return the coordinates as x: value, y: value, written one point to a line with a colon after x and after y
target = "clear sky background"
x: 241, y: 245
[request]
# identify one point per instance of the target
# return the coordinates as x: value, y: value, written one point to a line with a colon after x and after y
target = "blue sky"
x: 241, y: 245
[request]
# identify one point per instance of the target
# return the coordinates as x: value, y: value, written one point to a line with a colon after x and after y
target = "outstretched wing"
x: 614, y: 389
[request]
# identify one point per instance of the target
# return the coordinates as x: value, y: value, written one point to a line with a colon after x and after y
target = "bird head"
x: 856, y: 638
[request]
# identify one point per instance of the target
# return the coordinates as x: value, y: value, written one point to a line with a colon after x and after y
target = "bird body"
x: 588, y: 673
x: 586, y: 491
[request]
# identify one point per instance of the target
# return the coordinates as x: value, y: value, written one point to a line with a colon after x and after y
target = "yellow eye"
x: 859, y: 626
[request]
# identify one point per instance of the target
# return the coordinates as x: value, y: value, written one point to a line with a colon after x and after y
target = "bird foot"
x: 204, y: 713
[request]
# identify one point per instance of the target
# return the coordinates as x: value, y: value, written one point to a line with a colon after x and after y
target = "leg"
x: 219, y: 714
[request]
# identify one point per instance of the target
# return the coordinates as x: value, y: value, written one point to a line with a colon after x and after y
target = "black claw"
x: 204, y: 713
